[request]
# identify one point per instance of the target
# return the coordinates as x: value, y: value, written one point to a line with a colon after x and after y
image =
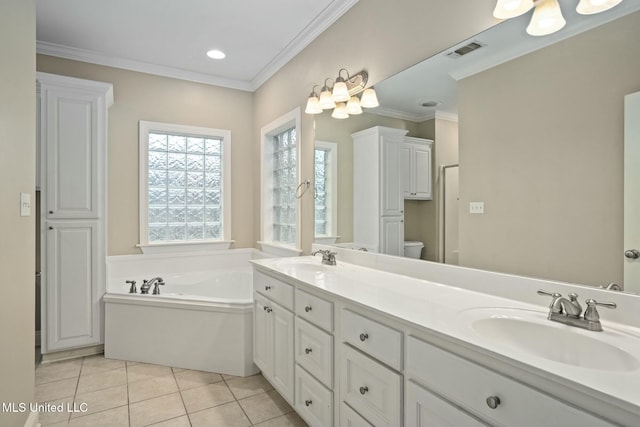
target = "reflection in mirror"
x: 539, y: 142
x: 326, y: 192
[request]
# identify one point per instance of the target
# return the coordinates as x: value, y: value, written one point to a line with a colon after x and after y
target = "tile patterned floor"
x: 118, y: 393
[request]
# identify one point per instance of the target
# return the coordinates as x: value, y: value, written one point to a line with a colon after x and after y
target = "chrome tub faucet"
x: 146, y: 285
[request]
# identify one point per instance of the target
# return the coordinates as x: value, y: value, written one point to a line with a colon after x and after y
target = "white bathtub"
x: 202, y: 319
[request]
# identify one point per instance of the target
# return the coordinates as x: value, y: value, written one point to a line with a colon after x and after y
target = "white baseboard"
x: 33, y: 420
x: 72, y: 354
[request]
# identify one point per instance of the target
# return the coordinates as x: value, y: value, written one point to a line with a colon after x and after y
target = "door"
x: 450, y: 195
x: 422, y: 173
x: 392, y: 202
x: 73, y: 309
x: 392, y: 235
x: 632, y: 192
x: 406, y: 171
x: 283, y: 351
x: 262, y: 348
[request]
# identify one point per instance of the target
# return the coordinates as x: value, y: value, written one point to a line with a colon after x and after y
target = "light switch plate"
x: 25, y: 204
x: 476, y: 207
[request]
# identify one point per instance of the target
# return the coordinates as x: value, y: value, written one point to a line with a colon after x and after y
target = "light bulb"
x: 369, y: 98
x: 326, y: 101
x: 340, y: 112
x: 589, y: 7
x: 506, y: 9
x: 340, y: 91
x: 547, y: 18
x: 313, y: 105
x: 353, y: 106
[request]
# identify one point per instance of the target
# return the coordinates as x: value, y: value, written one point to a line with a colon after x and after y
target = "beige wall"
x: 17, y: 174
x: 141, y: 96
x: 546, y: 157
x: 381, y: 36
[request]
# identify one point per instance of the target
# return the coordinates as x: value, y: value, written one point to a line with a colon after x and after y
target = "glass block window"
x: 284, y: 186
x: 184, y: 184
x: 321, y: 169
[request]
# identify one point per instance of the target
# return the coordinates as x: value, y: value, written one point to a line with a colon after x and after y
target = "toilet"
x: 413, y: 249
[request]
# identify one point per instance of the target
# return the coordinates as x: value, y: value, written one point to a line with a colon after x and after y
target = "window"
x: 184, y: 184
x: 280, y: 156
x: 325, y: 194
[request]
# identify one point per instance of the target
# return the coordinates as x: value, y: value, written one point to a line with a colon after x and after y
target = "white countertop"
x: 450, y: 311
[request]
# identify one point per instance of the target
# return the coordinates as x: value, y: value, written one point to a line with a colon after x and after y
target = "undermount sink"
x: 531, y: 332
x: 303, y: 264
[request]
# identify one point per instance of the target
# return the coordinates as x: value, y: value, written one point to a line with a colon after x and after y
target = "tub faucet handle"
x: 156, y: 289
x: 132, y: 289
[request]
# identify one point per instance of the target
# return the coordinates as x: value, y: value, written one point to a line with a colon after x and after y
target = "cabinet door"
x: 262, y: 341
x: 406, y: 171
x: 283, y: 351
x: 392, y: 235
x: 421, y: 172
x: 392, y: 203
x: 70, y: 141
x: 73, y: 287
x: 425, y: 409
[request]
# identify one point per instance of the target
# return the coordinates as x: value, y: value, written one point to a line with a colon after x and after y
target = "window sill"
x: 172, y: 247
x: 326, y: 240
x: 279, y: 250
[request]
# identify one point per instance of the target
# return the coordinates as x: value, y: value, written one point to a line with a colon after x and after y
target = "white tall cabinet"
x: 378, y: 203
x: 73, y: 161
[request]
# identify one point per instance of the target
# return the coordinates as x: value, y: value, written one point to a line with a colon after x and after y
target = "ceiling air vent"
x: 468, y: 48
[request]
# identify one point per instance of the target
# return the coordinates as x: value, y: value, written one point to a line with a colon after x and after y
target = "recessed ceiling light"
x: 430, y: 104
x: 216, y: 54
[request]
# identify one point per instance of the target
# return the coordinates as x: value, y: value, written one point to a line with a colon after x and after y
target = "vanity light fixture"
x: 547, y: 17
x: 342, y: 96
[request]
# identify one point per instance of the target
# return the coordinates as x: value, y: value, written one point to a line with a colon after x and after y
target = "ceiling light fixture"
x: 216, y: 54
x: 342, y: 96
x: 547, y: 17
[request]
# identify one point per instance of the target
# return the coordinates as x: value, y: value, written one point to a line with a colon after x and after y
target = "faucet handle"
x: 156, y: 289
x: 553, y: 307
x: 591, y: 313
x: 132, y: 289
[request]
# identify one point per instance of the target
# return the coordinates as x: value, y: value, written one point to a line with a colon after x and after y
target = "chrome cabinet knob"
x: 307, y: 350
x: 364, y: 337
x: 267, y: 288
x: 268, y: 309
x: 632, y: 253
x: 364, y: 390
x: 493, y: 402
x: 307, y: 308
x: 50, y: 212
x: 308, y: 402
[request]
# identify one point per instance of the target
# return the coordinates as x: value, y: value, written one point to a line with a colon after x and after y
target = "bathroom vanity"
x: 358, y: 344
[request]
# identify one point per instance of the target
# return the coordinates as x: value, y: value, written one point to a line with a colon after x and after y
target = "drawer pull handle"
x: 364, y: 390
x: 308, y: 402
x: 364, y: 337
x: 307, y: 308
x: 493, y: 402
x: 267, y: 288
x: 307, y: 350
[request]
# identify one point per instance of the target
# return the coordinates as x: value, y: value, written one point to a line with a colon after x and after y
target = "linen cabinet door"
x: 283, y: 350
x: 73, y: 289
x: 262, y: 331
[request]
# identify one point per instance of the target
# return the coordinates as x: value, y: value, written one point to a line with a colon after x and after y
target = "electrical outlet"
x: 476, y: 207
x: 25, y: 204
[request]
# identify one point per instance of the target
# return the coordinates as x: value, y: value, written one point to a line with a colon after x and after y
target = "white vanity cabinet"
x: 378, y: 202
x: 415, y: 168
x: 273, y: 332
x: 480, y: 392
x: 72, y: 131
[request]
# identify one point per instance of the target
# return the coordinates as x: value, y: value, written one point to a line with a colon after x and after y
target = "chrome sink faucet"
x: 328, y: 257
x: 146, y: 284
x: 568, y: 311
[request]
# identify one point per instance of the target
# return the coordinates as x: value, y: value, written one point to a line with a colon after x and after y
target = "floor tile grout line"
x: 126, y: 375
x: 238, y: 402
x: 181, y: 398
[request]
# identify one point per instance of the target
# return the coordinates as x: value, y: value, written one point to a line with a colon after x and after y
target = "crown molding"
x: 402, y: 115
x: 329, y: 15
x: 93, y: 57
x: 445, y: 115
x: 323, y: 21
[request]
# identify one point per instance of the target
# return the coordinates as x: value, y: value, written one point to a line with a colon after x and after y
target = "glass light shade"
x: 353, y: 106
x: 326, y: 101
x: 313, y: 105
x: 589, y: 7
x: 369, y: 98
x: 340, y: 112
x: 547, y: 18
x: 340, y: 91
x: 506, y: 9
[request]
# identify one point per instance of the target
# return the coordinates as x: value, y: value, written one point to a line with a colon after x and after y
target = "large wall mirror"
x: 528, y: 134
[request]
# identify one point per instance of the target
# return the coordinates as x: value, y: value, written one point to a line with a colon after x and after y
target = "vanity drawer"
x: 350, y: 418
x: 376, y: 339
x: 371, y: 388
x: 314, y: 351
x: 469, y: 385
x: 313, y: 401
x: 315, y: 309
x: 274, y: 289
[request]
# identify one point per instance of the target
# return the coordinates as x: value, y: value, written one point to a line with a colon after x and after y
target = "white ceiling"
x: 171, y: 37
x: 435, y: 79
